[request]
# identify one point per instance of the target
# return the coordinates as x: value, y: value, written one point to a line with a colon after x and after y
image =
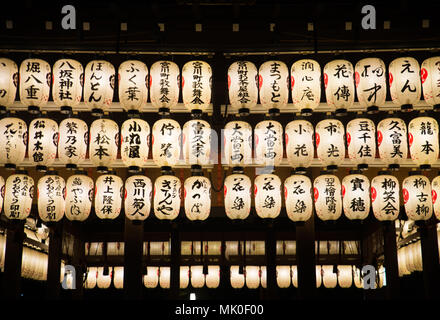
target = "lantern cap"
x: 134, y: 169
x: 426, y: 167
x: 164, y: 112
x: 394, y: 166
x: 196, y: 170
x: 166, y: 170
x: 111, y: 171
x: 274, y: 112
x: 383, y: 172
x: 414, y: 173
x: 237, y: 170
x: 372, y: 109
x: 41, y: 168
x: 34, y: 110
x: 196, y: 113
x: 21, y: 171
x: 243, y: 112
x: 406, y: 107
x: 132, y: 113
x: 52, y: 172
x: 97, y: 112
x: 66, y: 110
x: 436, y: 108
x: 306, y: 112
x: 332, y: 167
x: 3, y: 110
x: 300, y: 170
x: 354, y: 171
x: 102, y: 169
x: 10, y: 166
x: 362, y: 166
x: 71, y: 166
x: 81, y: 172
x: 341, y: 112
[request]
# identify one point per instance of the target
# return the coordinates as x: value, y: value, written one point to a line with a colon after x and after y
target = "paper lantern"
x: 92, y: 273
x: 13, y: 142
x: 35, y: 80
x: 196, y: 142
x: 243, y: 86
x: 404, y: 78
x: 237, y: 280
x: 99, y: 84
x: 108, y: 196
x: 104, y: 281
x: 305, y: 81
x: 392, y: 141
x: 268, y: 143
x: 104, y: 139
x: 51, y: 197
x: 197, y: 277
x: 237, y: 196
x: 327, y: 194
x: 167, y: 197
x: 151, y: 279
x: 318, y: 276
x: 135, y: 144
x: 339, y: 85
x: 164, y: 85
x: 263, y: 276
x: 329, y: 278
x: 356, y: 196
x: 133, y: 85
x: 330, y: 146
x: 73, y: 140
x: 43, y: 142
x: 212, y: 279
x: 417, y: 197
x: 267, y: 192
x: 370, y: 79
x: 299, y: 144
x: 430, y: 76
x: 164, y: 277
x: 79, y: 196
x: 273, y: 85
x: 252, y: 274
x: 196, y: 85
x: 19, y: 192
x: 166, y: 142
x: 8, y: 83
x: 118, y: 277
x: 197, y: 194
x: 423, y: 141
x: 67, y: 87
x: 435, y: 186
x: 137, y: 203
x: 357, y: 278
x: 345, y: 276
x: 385, y: 197
x: 283, y: 276
x: 238, y: 143
x: 184, y: 277
x: 361, y: 141
x: 298, y: 197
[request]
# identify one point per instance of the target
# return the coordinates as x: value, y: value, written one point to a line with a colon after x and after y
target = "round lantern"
x: 197, y: 277
x: 327, y: 194
x: 243, y: 86
x: 73, y: 140
x: 330, y: 146
x: 108, y: 196
x: 267, y: 192
x: 167, y: 197
x: 405, y: 86
x: 212, y: 279
x: 104, y: 281
x: 8, y: 83
x: 35, y: 80
x: 238, y: 143
x: 118, y: 277
x: 423, y: 141
x: 135, y: 144
x: 13, y: 142
x: 99, y: 84
x: 51, y: 190
x: 104, y: 139
x: 2, y: 193
x: 43, y: 141
x: 329, y: 278
x: 298, y: 197
x: 67, y: 87
x: 133, y: 85
x: 237, y: 196
x: 151, y: 279
x: 283, y: 276
x: 197, y: 194
x: 356, y: 196
x: 252, y: 274
x: 164, y: 85
x: 164, y: 277
x: 79, y: 196
x: 392, y: 141
x: 19, y: 192
x: 273, y: 85
x: 385, y: 197
x: 417, y: 197
x: 92, y: 273
x: 305, y: 81
x: 361, y: 141
x: 237, y: 279
x: 196, y: 142
x: 345, y: 276
x: 196, y: 85
x: 435, y: 186
x: 430, y: 76
x: 371, y: 87
x: 268, y: 143
x: 166, y: 142
x: 299, y: 144
x: 137, y: 203
x: 339, y: 85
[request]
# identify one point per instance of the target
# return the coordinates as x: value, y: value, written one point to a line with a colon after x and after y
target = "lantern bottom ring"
x: 341, y: 112
x: 66, y: 110
x: 33, y: 109
x: 306, y: 112
x: 10, y: 166
x: 372, y: 109
x: 97, y: 112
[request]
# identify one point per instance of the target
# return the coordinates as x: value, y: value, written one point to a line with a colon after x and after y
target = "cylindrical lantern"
x: 330, y: 146
x: 51, y: 197
x: 423, y: 141
x: 137, y: 203
x: 212, y: 279
x: 339, y: 85
x: 197, y: 194
x: 237, y: 279
x: 164, y: 85
x: 43, y: 142
x: 430, y: 76
x: 243, y: 86
x: 197, y: 277
x: 357, y: 278
x: 135, y: 144
x: 405, y: 85
x: 99, y: 84
x: 184, y: 277
x: 196, y: 142
x: 108, y: 196
x: 237, y: 196
x: 356, y: 196
x: 118, y: 277
x: 283, y: 276
x: 252, y: 274
x: 327, y: 194
x: 92, y: 273
x: 104, y: 139
x: 13, y: 142
x: 268, y: 143
x: 273, y: 85
x: 435, y: 186
x: 345, y: 276
x: 166, y: 142
x: 295, y: 276
x: 8, y: 83
x: 329, y: 278
x: 267, y: 192
x: 67, y: 87
x: 299, y: 144
x: 196, y: 85
x: 238, y: 143
x: 164, y: 277
x: 361, y: 141
x: 305, y: 81
x: 392, y: 141
x: 385, y: 197
x: 417, y: 197
x: 19, y: 192
x: 133, y: 85
x: 151, y: 279
x: 298, y: 197
x: 167, y: 197
x: 73, y: 140
x: 79, y: 196
x: 104, y: 281
x: 35, y: 81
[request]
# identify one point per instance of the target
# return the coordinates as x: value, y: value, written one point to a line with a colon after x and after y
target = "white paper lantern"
x: 356, y: 196
x: 392, y: 141
x: 237, y: 196
x: 197, y: 277
x: 184, y: 277
x: 318, y: 271
x: 151, y: 279
x: 13, y: 142
x: 164, y: 277
x: 164, y: 84
x: 268, y: 143
x: 283, y: 276
x: 345, y: 276
x: 361, y: 141
x: 197, y: 194
x: 371, y: 87
x: 357, y: 278
x: 133, y: 85
x: 243, y: 86
x: 385, y: 197
x: 67, y: 87
x: 92, y: 274
x: 8, y: 82
x: 298, y: 197
x: 118, y: 277
x: 238, y: 143
x: 267, y: 192
x: 35, y: 81
x: 430, y: 76
x: 166, y: 142
x: 51, y: 197
x: 423, y: 141
x: 263, y: 277
x: 104, y: 281
x: 305, y: 81
x: 43, y: 141
x: 299, y: 143
x: 329, y: 278
x: 327, y: 195
x: 237, y: 280
x: 99, y: 84
x: 104, y: 139
x: 295, y: 276
x: 417, y: 197
x: 330, y: 146
x: 108, y: 196
x: 339, y: 85
x: 212, y: 279
x: 167, y: 197
x: 435, y: 186
x: 196, y: 85
x: 2, y: 193
x: 252, y: 276
x: 405, y: 85
x: 79, y: 196
x: 137, y: 203
x: 273, y: 85
x: 135, y: 144
x: 19, y: 192
x: 73, y: 140
x: 196, y: 142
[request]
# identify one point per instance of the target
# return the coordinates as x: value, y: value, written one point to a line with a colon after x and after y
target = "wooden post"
x: 54, y: 260
x: 305, y: 254
x: 175, y: 263
x: 430, y: 258
x: 134, y: 235
x: 78, y: 260
x: 271, y: 263
x: 390, y: 263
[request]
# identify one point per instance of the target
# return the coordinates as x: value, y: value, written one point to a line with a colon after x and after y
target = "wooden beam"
x: 133, y: 252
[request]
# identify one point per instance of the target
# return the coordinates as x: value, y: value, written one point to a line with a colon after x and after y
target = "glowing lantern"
x: 184, y: 277
x: 238, y: 143
x: 268, y: 143
x: 196, y: 86
x: 361, y: 142
x: 197, y: 194
x: 299, y: 144
x: 252, y: 276
x: 167, y: 197
x: 385, y: 197
x: 196, y: 142
x: 283, y: 276
x: 197, y: 277
x: 237, y: 279
x: 2, y: 193
x: 318, y: 271
x: 104, y: 139
x: 51, y: 197
x: 212, y: 279
x: 423, y: 141
x: 79, y: 196
x: 13, y: 142
x: 8, y: 83
x: 330, y: 146
x: 108, y: 196
x: 166, y: 142
x: 329, y: 278
x: 357, y: 278
x: 164, y: 85
x: 73, y: 140
x: 327, y: 194
x: 137, y: 203
x: 92, y: 273
x: 67, y: 87
x: 99, y: 84
x: 339, y: 85
x: 237, y: 195
x: 243, y: 86
x: 371, y: 87
x: 404, y: 78
x: 430, y: 76
x: 298, y: 197
x: 345, y: 276
x: 35, y: 80
x: 19, y: 191
x: 164, y: 277
x: 133, y: 85
x: 305, y: 82
x: 43, y: 141
x: 267, y: 192
x: 118, y: 278
x: 295, y: 276
x: 135, y: 135
x: 104, y: 281
x: 356, y: 196
x: 435, y: 186
x: 273, y: 85
x: 392, y: 141
x: 151, y: 279
x: 417, y: 197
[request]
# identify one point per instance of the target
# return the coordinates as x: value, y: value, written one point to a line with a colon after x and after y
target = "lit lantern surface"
x: 104, y: 139
x: 212, y: 279
x: 197, y: 277
x: 237, y: 196
x: 345, y: 276
x: 252, y: 276
x: 356, y: 196
x: 329, y: 138
x: 8, y: 82
x: 73, y: 140
x: 35, y: 80
x: 299, y: 143
x: 79, y: 196
x: 283, y: 276
x: 385, y: 197
x: 305, y: 81
x: 166, y: 142
x: 104, y: 281
x: 108, y: 196
x: 167, y: 197
x: 118, y: 277
x: 164, y: 84
x: 295, y: 276
x: 137, y: 202
x: 329, y: 278
x: 184, y: 277
x: 238, y: 143
x: 327, y: 195
x: 133, y: 85
x: 404, y: 79
x: 99, y: 84
x: 339, y: 85
x: 392, y: 141
x: 268, y: 143
x: 151, y: 279
x: 196, y: 85
x: 435, y: 186
x: 423, y: 141
x: 197, y: 194
x: 197, y: 142
x: 164, y: 277
x: 43, y: 142
x: 267, y: 192
x: 19, y: 192
x: 67, y: 87
x: 417, y: 197
x: 361, y: 141
x: 237, y: 280
x: 2, y: 193
x: 92, y: 273
x: 13, y: 142
x: 430, y: 76
x: 298, y: 197
x: 135, y: 145
x: 51, y: 197
x: 273, y: 85
x: 243, y: 85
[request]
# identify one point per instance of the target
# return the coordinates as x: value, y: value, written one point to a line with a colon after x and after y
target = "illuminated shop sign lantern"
x: 196, y: 142
x: 43, y: 142
x: 361, y: 141
x: 196, y: 86
x: 197, y: 195
x: 51, y: 190
x: 104, y: 139
x: 423, y: 141
x: 430, y: 76
x: 268, y: 143
x: 108, y: 196
x: 19, y: 192
x: 339, y: 85
x: 392, y: 141
x: 67, y: 87
x: 237, y: 196
x: 166, y: 201
x: 166, y: 142
x: 99, y: 84
x: 13, y: 142
x: 137, y: 199
x: 133, y: 85
x: 371, y: 87
x: 135, y: 144
x: 435, y: 186
x: 238, y: 143
x: 298, y: 197
x: 417, y: 197
x: 305, y: 82
x: 267, y: 192
x: 164, y: 85
x: 385, y: 197
x: 330, y: 145
x: 8, y: 83
x: 356, y: 196
x: 273, y: 85
x: 405, y: 85
x: 327, y: 195
x: 299, y: 144
x: 79, y: 196
x: 243, y: 86
x: 73, y: 141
